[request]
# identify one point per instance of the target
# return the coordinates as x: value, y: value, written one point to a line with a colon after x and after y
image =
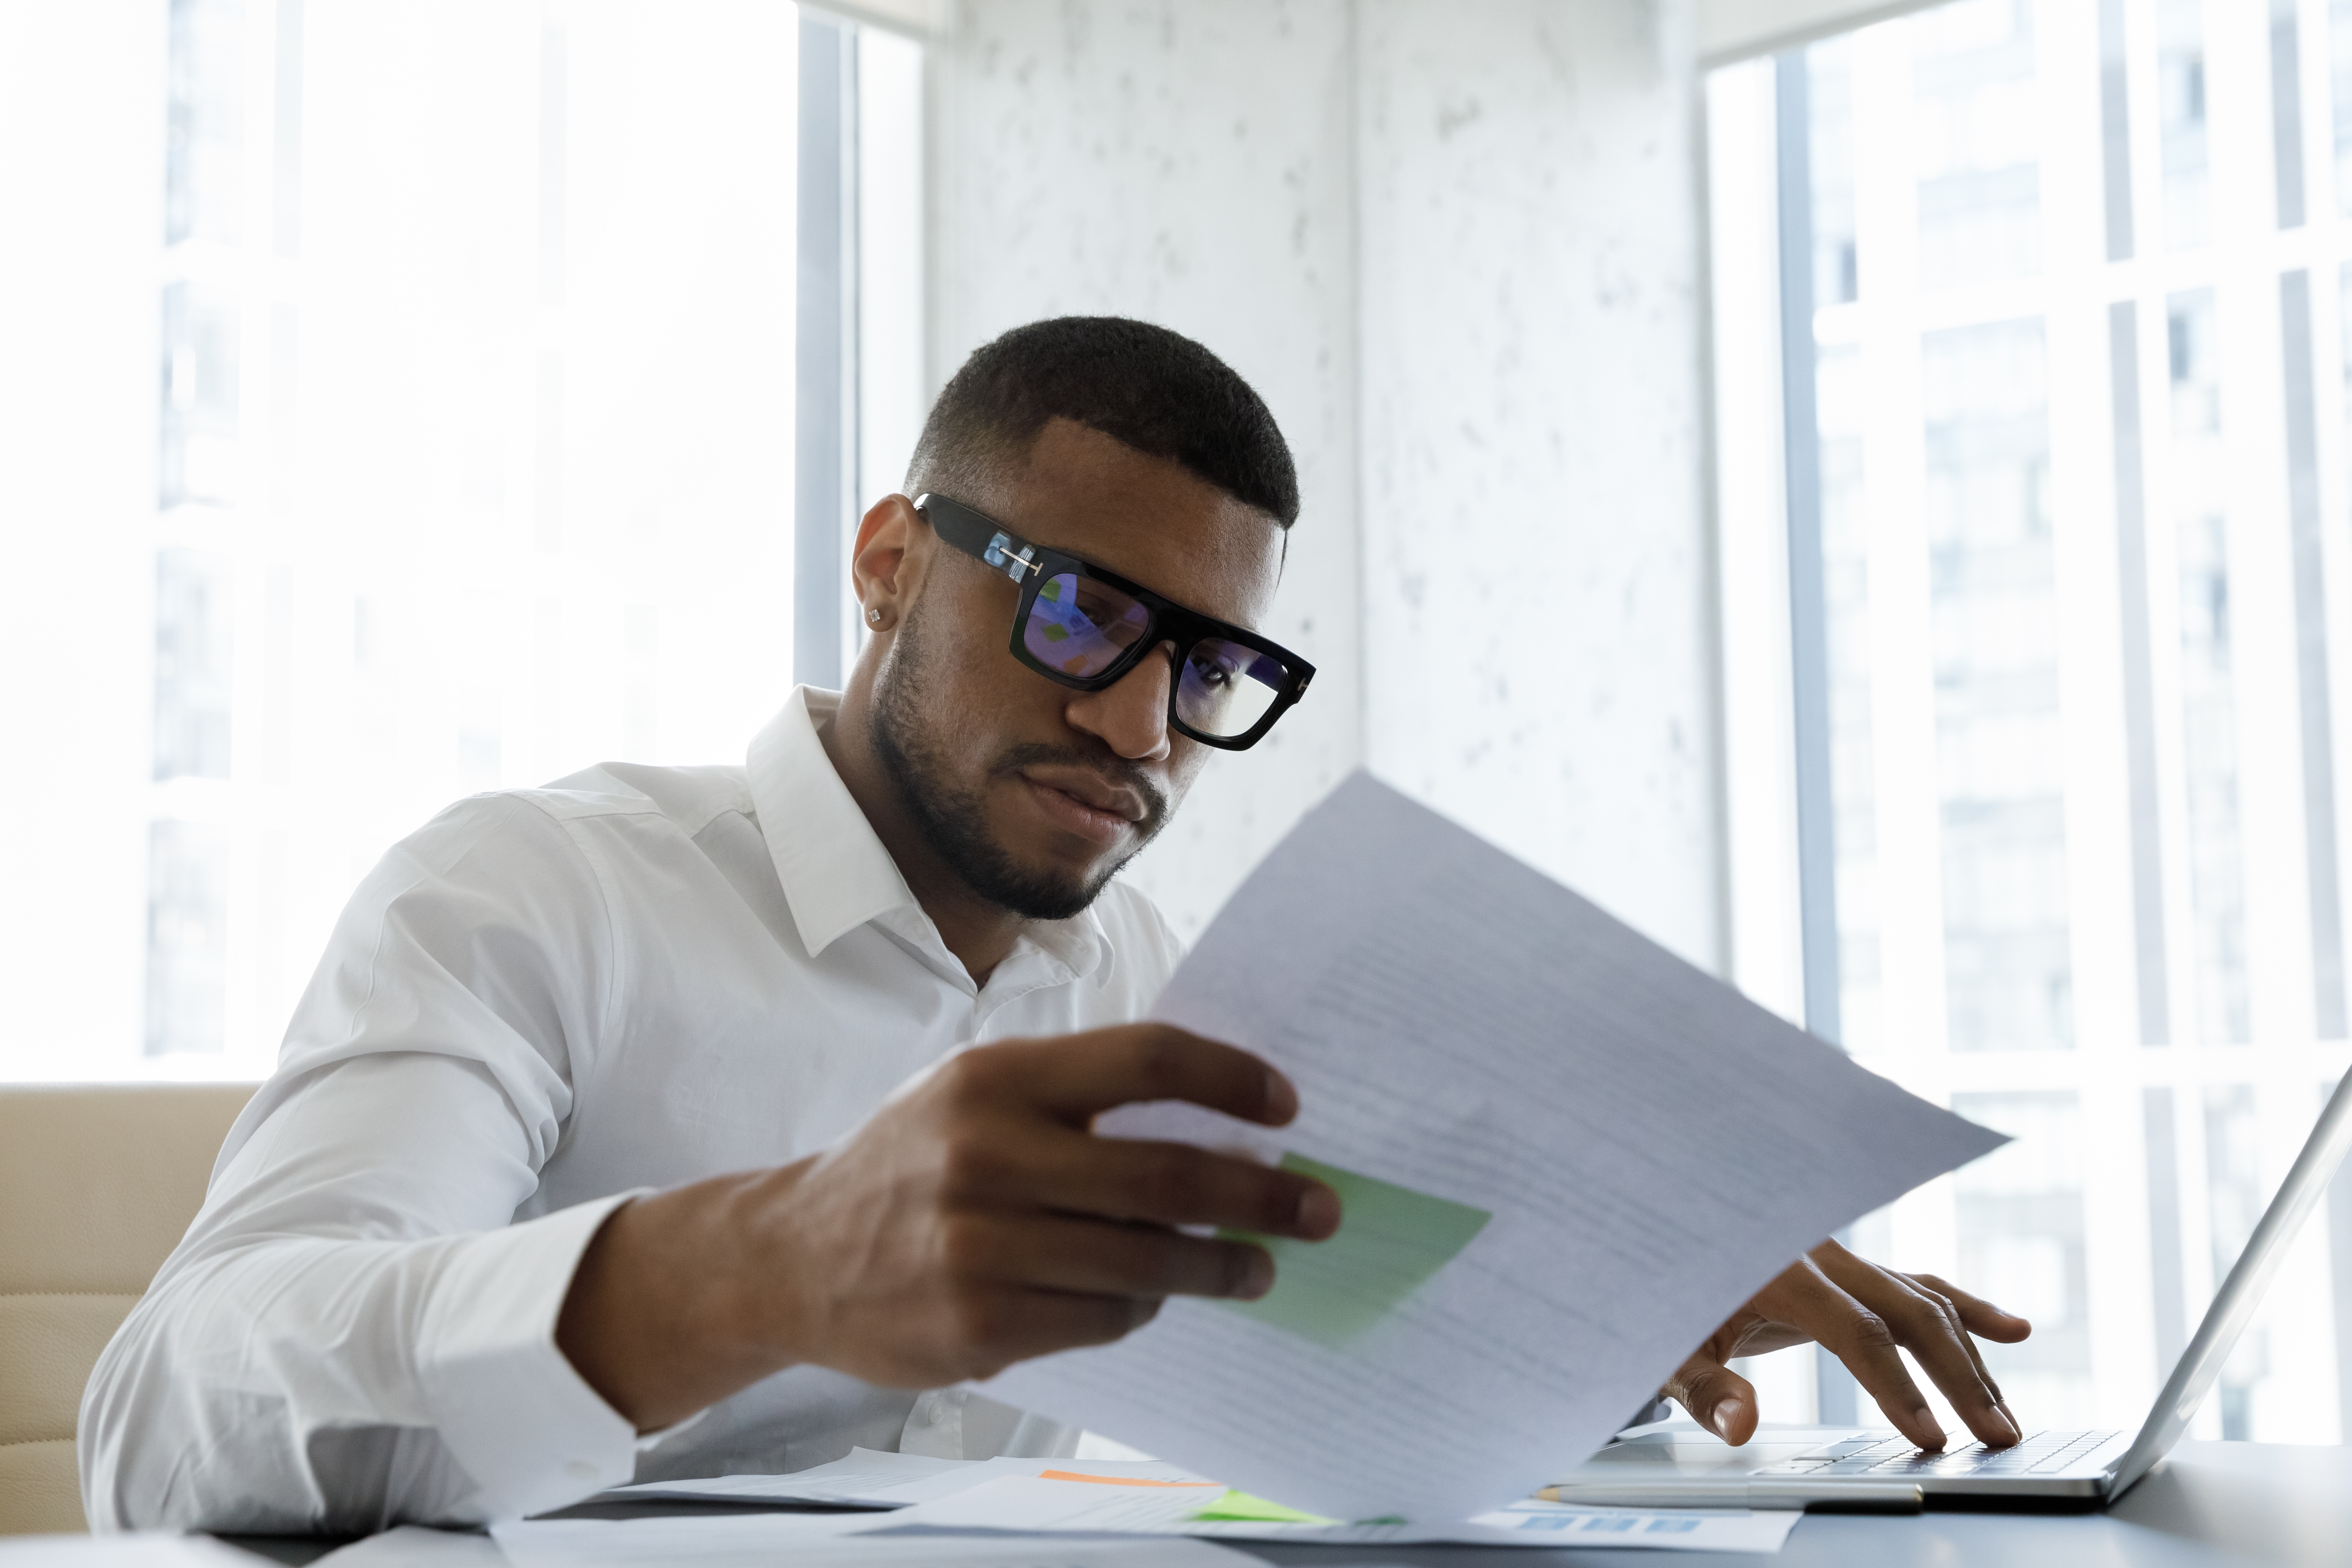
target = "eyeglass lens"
x: 1224, y: 688
x: 1082, y: 627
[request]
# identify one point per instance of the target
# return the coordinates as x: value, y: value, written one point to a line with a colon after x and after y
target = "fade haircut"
x: 1156, y: 390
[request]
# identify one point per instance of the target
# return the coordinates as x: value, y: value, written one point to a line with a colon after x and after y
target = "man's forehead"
x: 1145, y: 517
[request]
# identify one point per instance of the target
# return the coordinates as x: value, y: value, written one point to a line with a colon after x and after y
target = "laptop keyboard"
x: 2042, y: 1453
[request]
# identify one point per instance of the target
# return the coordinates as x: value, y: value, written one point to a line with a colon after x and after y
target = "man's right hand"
x: 973, y: 1221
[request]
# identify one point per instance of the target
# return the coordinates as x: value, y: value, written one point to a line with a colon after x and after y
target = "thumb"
x: 1716, y: 1397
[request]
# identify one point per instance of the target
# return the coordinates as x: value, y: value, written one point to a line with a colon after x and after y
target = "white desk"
x: 2211, y: 1505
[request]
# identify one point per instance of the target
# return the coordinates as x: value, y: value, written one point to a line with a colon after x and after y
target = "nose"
x: 1130, y: 716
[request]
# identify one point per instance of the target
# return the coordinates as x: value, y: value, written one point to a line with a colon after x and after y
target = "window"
x: 465, y: 427
x: 2036, y: 498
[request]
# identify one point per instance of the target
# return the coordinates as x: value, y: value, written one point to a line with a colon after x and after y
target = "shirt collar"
x: 835, y: 873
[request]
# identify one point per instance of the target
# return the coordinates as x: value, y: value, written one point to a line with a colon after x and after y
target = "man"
x: 626, y: 1130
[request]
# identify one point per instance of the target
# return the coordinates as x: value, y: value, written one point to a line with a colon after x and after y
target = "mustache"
x: 1098, y: 759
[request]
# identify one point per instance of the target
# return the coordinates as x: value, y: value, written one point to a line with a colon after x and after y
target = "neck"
x: 979, y: 933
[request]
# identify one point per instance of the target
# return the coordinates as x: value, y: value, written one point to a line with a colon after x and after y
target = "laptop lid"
x: 2241, y: 1293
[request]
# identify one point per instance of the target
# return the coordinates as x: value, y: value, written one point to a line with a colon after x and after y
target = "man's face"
x: 1034, y: 793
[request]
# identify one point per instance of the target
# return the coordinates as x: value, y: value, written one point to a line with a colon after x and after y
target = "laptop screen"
x: 2241, y: 1293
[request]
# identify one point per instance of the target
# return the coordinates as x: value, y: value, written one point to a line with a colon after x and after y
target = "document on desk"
x: 1075, y: 1501
x: 1564, y: 1156
x: 416, y: 1546
x: 134, y: 1549
x: 767, y: 1540
x: 867, y: 1477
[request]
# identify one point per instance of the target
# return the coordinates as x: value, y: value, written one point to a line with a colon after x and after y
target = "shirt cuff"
x: 506, y: 1402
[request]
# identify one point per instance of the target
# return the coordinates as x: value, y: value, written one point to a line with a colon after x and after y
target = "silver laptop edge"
x: 1641, y: 1482
x: 2192, y: 1376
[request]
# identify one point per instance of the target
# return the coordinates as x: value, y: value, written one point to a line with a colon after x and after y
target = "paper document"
x: 1565, y: 1156
x: 416, y: 1546
x: 1149, y: 1497
x: 1074, y: 1501
x: 141, y: 1548
x: 869, y: 1478
x: 1335, y: 1291
x: 712, y: 1541
x: 770, y: 1540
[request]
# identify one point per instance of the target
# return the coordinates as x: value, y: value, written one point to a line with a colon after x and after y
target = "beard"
x: 953, y: 820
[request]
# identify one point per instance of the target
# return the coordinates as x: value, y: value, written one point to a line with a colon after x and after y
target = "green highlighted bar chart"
x: 1241, y: 1508
x: 1391, y: 1239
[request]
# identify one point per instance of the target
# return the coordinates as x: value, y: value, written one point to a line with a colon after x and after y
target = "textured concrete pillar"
x: 1457, y: 248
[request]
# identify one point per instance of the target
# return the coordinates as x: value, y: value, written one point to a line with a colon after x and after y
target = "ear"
x: 884, y: 568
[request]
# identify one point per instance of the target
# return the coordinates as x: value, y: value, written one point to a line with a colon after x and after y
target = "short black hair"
x: 1156, y: 390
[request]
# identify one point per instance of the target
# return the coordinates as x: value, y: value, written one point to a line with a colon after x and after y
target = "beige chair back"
x: 97, y: 1186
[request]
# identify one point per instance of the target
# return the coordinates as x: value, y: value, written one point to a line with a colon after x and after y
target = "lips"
x: 1091, y: 791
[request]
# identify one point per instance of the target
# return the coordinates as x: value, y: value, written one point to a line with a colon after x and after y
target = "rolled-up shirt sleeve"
x: 356, y: 1332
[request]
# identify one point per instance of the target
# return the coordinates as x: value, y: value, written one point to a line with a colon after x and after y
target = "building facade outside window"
x: 472, y: 457
x: 2033, y: 377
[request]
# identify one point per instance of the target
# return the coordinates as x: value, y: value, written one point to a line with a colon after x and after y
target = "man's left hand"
x: 1860, y: 1312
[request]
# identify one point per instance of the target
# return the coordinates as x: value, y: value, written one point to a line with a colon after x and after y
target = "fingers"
x: 1979, y: 1316
x: 1093, y: 1258
x: 1075, y: 1078
x: 1861, y: 1340
x: 1806, y: 1298
x: 1166, y: 1183
x: 1716, y: 1397
x: 1976, y: 1316
x: 1924, y: 1321
x: 1002, y: 1326
x: 1071, y: 1079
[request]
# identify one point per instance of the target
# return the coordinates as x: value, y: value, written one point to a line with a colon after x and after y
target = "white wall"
x: 1456, y: 248
x: 1187, y: 163
x: 1537, y: 610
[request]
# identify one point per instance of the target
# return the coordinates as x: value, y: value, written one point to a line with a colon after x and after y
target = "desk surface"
x: 2209, y: 1504
x: 2242, y: 1505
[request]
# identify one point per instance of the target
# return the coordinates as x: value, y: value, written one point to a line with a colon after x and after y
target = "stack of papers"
x: 767, y: 1540
x: 1074, y: 1500
x: 868, y: 1478
x: 141, y: 1548
x: 916, y: 1499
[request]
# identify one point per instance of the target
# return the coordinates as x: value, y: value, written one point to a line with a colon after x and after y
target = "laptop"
x: 1681, y: 1464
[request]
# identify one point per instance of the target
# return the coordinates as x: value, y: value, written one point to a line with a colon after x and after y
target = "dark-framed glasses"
x: 1086, y: 628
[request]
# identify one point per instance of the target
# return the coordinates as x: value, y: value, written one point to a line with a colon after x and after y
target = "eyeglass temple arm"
x: 962, y: 527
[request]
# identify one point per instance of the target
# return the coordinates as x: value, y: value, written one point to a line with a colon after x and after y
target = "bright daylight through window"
x: 2031, y: 323
x: 430, y: 375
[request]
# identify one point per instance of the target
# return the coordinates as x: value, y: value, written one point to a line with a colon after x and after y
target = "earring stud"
x: 875, y: 616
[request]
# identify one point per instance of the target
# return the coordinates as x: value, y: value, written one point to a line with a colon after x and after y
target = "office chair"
x: 97, y: 1186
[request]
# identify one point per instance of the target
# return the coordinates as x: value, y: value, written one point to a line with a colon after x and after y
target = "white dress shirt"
x: 544, y: 1002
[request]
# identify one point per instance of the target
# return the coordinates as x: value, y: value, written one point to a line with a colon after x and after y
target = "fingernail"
x: 1924, y: 1420
x: 1281, y: 1099
x: 1257, y: 1276
x: 1319, y: 1211
x: 2016, y: 1432
x: 1721, y: 1419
